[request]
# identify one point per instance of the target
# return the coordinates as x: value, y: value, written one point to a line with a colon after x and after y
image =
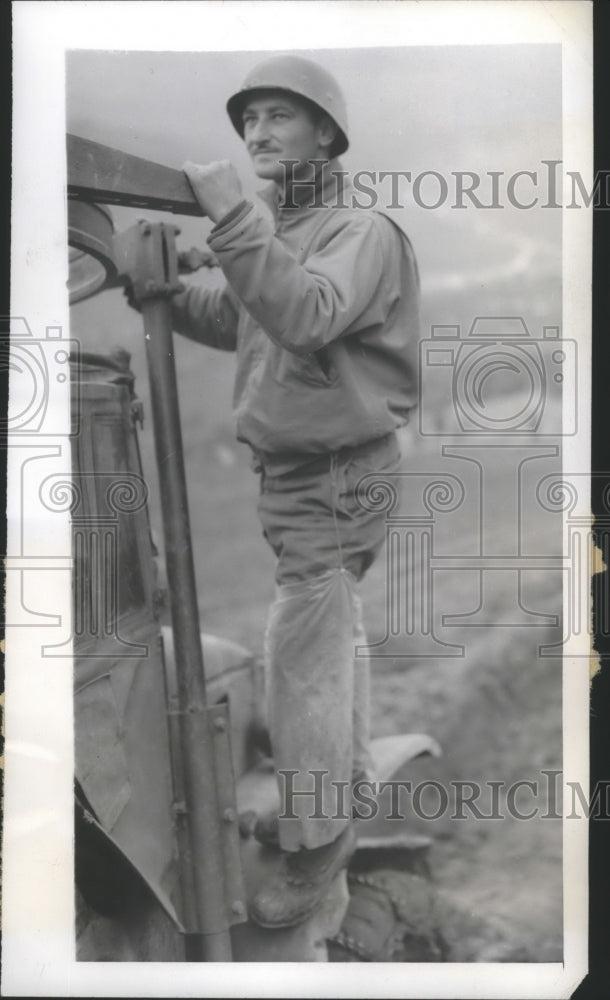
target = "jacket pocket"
x: 313, y: 369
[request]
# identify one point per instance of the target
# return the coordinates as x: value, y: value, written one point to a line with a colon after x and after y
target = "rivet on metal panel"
x: 229, y: 815
x: 238, y: 908
x: 220, y: 725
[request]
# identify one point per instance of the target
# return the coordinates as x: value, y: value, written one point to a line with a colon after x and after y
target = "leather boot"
x: 301, y: 882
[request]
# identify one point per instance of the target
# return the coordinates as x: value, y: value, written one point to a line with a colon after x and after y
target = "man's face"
x: 278, y: 127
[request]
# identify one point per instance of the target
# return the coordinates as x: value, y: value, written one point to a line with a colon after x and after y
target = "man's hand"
x: 216, y: 187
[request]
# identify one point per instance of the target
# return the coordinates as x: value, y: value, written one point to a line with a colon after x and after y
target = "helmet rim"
x: 281, y: 73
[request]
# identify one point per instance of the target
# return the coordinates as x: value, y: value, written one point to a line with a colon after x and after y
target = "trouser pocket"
x: 364, y: 482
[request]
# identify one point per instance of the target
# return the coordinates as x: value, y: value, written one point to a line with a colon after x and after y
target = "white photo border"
x: 38, y: 909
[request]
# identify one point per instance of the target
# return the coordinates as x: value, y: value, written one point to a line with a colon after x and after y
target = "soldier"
x: 321, y: 308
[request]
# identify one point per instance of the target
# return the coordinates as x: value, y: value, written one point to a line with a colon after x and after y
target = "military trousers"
x: 325, y: 522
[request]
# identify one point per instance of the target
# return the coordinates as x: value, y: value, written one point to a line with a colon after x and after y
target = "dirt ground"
x: 498, y: 718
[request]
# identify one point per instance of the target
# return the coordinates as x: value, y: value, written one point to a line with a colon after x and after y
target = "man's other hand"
x: 216, y: 187
x: 135, y: 303
x: 129, y: 294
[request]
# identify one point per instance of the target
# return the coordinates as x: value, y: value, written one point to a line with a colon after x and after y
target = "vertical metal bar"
x: 197, y: 745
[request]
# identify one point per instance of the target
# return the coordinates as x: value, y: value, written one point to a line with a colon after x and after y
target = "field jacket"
x: 323, y: 312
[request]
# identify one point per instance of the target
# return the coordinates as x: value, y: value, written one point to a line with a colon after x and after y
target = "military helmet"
x: 297, y: 76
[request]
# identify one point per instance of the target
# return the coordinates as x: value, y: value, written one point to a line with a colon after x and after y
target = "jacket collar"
x: 322, y: 189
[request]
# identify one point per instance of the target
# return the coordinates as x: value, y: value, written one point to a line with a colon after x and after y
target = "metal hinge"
x: 235, y: 891
x: 159, y: 601
x: 137, y: 413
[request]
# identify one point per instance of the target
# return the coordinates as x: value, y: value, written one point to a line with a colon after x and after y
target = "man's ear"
x: 327, y: 131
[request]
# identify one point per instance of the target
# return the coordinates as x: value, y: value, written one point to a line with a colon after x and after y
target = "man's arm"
x: 207, y: 316
x: 350, y: 283
x: 304, y: 307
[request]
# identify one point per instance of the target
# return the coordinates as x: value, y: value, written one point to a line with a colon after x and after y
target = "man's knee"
x: 316, y: 587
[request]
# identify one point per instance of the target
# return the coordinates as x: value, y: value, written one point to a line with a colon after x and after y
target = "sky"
x: 426, y: 108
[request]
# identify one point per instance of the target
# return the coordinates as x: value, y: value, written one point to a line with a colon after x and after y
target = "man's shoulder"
x: 346, y: 216
x: 347, y: 219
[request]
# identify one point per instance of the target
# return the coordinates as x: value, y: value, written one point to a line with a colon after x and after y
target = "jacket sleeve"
x: 303, y: 307
x: 208, y: 316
